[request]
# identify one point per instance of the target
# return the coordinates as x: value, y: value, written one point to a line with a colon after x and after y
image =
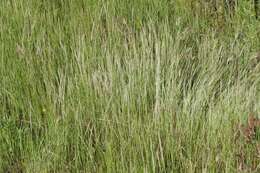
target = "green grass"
x: 125, y: 86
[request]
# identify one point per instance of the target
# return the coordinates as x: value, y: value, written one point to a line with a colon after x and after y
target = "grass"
x: 125, y: 86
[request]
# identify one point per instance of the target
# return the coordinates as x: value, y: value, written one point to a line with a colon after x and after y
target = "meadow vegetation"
x: 127, y: 86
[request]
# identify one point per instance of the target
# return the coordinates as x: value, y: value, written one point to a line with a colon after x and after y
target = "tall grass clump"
x: 125, y: 86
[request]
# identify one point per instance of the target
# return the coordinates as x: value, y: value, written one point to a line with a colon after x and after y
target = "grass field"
x: 127, y: 86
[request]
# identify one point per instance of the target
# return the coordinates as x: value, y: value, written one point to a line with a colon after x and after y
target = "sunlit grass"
x: 124, y: 86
